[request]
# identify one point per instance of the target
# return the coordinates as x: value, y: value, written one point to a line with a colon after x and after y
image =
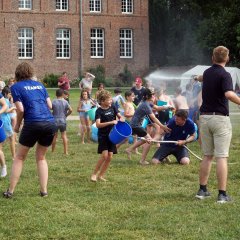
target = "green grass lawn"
x: 153, y: 202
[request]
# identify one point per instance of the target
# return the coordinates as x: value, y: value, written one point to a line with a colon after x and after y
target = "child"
x: 66, y: 95
x: 144, y: 109
x: 128, y: 113
x: 61, y: 109
x: 118, y: 100
x: 6, y: 118
x: 100, y: 88
x: 105, y: 119
x: 84, y: 105
x: 180, y: 101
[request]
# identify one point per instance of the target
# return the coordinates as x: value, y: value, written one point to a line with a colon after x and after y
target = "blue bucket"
x: 2, y: 132
x: 94, y: 135
x: 119, y: 132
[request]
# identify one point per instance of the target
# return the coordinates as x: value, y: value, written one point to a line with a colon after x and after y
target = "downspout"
x: 81, y: 37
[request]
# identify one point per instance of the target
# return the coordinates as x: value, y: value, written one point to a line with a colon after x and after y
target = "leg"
x: 65, y: 142
x: 83, y: 130
x: 222, y: 172
x: 17, y: 166
x: 105, y: 165
x: 99, y: 164
x: 2, y: 162
x: 42, y: 166
x: 205, y: 169
x: 88, y: 129
x: 54, y: 141
x: 146, y: 148
x: 12, y: 145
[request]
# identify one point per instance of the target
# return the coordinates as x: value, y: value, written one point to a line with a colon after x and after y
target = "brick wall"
x: 44, y: 20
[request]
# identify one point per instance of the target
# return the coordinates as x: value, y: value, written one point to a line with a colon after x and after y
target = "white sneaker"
x: 4, y: 171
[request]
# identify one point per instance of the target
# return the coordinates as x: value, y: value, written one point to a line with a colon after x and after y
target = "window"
x: 127, y: 6
x: 63, y: 44
x: 25, y: 4
x: 126, y: 43
x: 62, y: 5
x: 95, y: 5
x: 25, y: 43
x: 97, y: 43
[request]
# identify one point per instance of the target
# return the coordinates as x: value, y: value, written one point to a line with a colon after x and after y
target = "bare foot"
x: 137, y: 152
x: 102, y: 179
x: 144, y: 162
x: 129, y: 154
x: 83, y: 142
x: 94, y: 178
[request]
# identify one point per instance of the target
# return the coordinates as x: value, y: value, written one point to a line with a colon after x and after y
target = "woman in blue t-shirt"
x: 33, y: 105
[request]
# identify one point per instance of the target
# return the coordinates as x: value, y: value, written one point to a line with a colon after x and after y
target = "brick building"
x: 74, y: 35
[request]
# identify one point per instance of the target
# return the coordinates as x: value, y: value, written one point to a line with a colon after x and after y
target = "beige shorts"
x: 216, y: 134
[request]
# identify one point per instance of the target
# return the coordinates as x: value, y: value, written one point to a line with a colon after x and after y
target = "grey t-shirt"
x: 143, y: 110
x: 60, y: 108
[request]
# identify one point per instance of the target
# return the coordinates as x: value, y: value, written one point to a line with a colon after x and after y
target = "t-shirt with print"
x: 179, y: 132
x: 33, y: 96
x: 60, y: 108
x: 106, y: 115
x: 142, y: 111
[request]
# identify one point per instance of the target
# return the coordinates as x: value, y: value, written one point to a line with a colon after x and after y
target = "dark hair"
x: 100, y: 84
x: 6, y: 90
x: 117, y: 90
x: 182, y: 114
x: 59, y: 92
x: 147, y: 94
x: 24, y: 71
x: 84, y: 90
x: 128, y: 93
x: 66, y: 92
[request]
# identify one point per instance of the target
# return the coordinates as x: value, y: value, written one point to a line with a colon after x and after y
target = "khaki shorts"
x: 216, y: 134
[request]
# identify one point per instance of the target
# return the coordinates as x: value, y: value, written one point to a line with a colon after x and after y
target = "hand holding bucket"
x: 120, y: 132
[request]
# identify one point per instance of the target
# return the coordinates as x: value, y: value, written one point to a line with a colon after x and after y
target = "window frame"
x: 62, y: 39
x: 61, y: 6
x: 126, y: 2
x: 96, y: 39
x: 24, y: 2
x: 94, y: 6
x: 25, y: 38
x: 125, y: 39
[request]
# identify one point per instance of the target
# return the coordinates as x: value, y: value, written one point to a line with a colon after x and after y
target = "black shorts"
x: 104, y: 144
x: 178, y: 151
x: 139, y: 131
x: 41, y: 132
x: 61, y: 127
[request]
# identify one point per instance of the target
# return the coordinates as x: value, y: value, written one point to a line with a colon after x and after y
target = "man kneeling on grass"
x: 183, y: 132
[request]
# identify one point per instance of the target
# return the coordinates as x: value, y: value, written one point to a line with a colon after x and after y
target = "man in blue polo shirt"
x: 183, y: 132
x: 215, y: 124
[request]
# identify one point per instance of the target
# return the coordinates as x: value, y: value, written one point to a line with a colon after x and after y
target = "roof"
x: 199, y: 69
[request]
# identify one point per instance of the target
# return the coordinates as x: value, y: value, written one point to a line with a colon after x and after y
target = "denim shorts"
x: 40, y: 132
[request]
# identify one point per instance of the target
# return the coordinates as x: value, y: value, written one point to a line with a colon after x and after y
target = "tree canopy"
x: 184, y: 32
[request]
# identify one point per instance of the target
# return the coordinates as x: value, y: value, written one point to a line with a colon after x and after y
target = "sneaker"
x: 7, y: 194
x: 202, y: 195
x: 223, y: 198
x: 43, y: 194
x: 4, y: 171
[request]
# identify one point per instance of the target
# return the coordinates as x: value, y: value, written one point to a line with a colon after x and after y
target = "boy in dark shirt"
x: 105, y: 119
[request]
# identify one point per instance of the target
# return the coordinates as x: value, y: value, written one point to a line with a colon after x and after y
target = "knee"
x: 185, y: 161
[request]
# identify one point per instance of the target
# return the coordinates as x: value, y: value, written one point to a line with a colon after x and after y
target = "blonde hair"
x: 103, y: 95
x: 220, y: 54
